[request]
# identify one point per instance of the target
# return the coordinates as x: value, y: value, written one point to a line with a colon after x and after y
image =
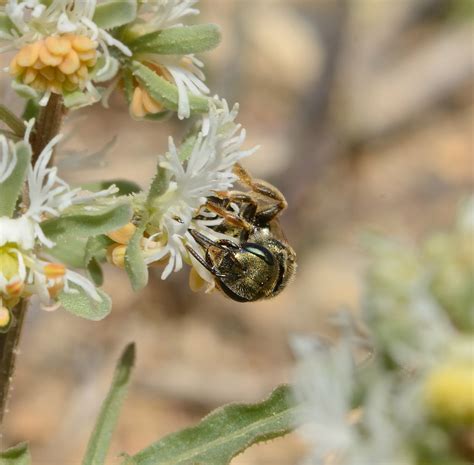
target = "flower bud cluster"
x: 56, y: 64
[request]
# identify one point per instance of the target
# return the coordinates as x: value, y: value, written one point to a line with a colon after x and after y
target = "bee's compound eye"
x: 260, y: 252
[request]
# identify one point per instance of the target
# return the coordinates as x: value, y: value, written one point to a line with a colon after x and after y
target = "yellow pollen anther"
x: 58, y: 64
x: 71, y: 63
x: 83, y: 44
x: 5, y: 317
x: 116, y: 255
x: 14, y: 289
x: 54, y: 270
x: 48, y: 58
x: 143, y: 104
x: 28, y: 54
x: 58, y: 45
x: 124, y: 234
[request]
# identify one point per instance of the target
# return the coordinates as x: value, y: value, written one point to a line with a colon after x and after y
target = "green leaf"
x: 95, y: 253
x: 12, y: 121
x: 223, y: 434
x: 6, y: 26
x: 23, y: 90
x: 178, y: 40
x: 99, y: 441
x: 69, y: 249
x: 165, y: 92
x: 78, y: 99
x: 135, y: 265
x: 186, y: 148
x: 104, y: 70
x: 17, y: 455
x: 31, y: 110
x: 81, y: 304
x: 87, y: 222
x: 124, y: 186
x: 11, y: 188
x: 158, y: 185
x: 128, y: 84
x: 94, y: 270
x: 115, y: 13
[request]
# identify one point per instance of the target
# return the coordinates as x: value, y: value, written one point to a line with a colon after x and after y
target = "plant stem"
x: 8, y: 350
x: 46, y: 127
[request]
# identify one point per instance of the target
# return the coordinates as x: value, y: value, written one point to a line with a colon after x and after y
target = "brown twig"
x: 8, y: 349
x: 47, y: 126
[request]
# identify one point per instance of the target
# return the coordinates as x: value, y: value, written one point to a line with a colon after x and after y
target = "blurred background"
x: 364, y: 111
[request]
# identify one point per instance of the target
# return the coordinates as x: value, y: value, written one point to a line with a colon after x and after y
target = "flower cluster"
x: 411, y: 400
x: 190, y: 178
x: 59, y: 45
x: 182, y: 69
x: 72, y: 48
x: 26, y: 264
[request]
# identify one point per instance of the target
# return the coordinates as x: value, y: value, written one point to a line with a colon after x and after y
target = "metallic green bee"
x: 262, y: 263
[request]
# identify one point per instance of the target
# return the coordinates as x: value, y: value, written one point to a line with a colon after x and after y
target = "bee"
x: 262, y: 263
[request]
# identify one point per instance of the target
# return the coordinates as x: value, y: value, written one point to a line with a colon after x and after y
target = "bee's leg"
x: 205, y: 242
x: 249, y: 210
x: 203, y: 262
x: 263, y: 189
x: 230, y: 218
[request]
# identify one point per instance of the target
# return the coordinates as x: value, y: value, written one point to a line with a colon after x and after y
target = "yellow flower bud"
x: 449, y: 392
x: 116, y: 255
x: 9, y: 266
x: 143, y: 104
x: 5, y: 317
x: 58, y: 64
x: 54, y: 270
x: 15, y: 288
x: 123, y: 234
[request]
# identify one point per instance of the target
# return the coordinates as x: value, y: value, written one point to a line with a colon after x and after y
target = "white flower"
x: 208, y: 169
x: 375, y: 430
x: 166, y: 13
x: 184, y: 70
x: 20, y: 231
x: 324, y: 384
x: 34, y: 21
x: 9, y: 159
x: 24, y: 265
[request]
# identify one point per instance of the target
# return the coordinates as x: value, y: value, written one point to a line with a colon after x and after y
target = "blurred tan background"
x: 364, y: 110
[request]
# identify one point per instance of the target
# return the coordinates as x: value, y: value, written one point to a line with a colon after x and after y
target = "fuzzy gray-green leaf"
x: 165, y: 92
x: 87, y: 223
x: 99, y: 441
x: 115, y: 13
x: 12, y: 121
x: 69, y: 249
x: 124, y: 186
x: 135, y: 265
x: 83, y: 305
x: 224, y: 433
x: 95, y: 253
x: 158, y: 186
x: 17, y: 455
x: 178, y: 40
x: 11, y: 188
